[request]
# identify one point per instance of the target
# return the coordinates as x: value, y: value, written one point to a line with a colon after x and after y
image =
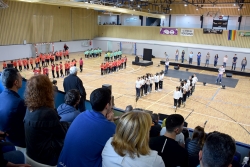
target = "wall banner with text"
x: 187, y: 32
x: 169, y: 31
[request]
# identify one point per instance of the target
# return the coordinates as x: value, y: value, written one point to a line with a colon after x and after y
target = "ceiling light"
x: 170, y: 9
x: 185, y: 4
x: 86, y: 2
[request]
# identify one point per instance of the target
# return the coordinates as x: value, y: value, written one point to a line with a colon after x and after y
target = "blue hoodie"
x: 67, y: 113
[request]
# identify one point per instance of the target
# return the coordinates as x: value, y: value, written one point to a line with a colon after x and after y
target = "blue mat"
x: 210, y: 79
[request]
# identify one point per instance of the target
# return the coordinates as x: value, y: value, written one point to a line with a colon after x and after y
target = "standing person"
x: 74, y: 82
x: 142, y: 86
x: 166, y: 55
x: 199, y: 59
x: 183, y: 85
x: 125, y: 62
x: 148, y: 80
x: 161, y: 77
x: 53, y: 70
x: 151, y: 81
x: 24, y: 61
x: 47, y: 59
x: 220, y: 74
x: 37, y: 61
x: 57, y: 71
x: 176, y: 55
x: 97, y: 126
x: 156, y: 79
x: 15, y: 64
x: 225, y: 61
x: 31, y: 63
x: 81, y: 64
x: 216, y: 58
x: 28, y: 62
x: 182, y: 56
x: 43, y: 130
x: 243, y: 64
x: 191, y: 57
x: 20, y: 65
x: 180, y: 101
x: 138, y: 87
x: 102, y: 69
x: 166, y: 66
x: 172, y: 153
x: 43, y: 58
x: 145, y: 85
x: 12, y: 107
x: 61, y: 69
x: 207, y: 59
x: 129, y: 146
x: 234, y: 62
x: 52, y: 58
x: 4, y: 65
x: 176, y: 96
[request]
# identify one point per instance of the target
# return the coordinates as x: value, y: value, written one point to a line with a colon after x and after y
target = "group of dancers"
x: 216, y: 59
x: 109, y: 55
x: 144, y: 84
x: 108, y: 67
x: 93, y: 53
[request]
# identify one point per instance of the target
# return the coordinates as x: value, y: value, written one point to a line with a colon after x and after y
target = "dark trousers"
x: 190, y: 60
x: 61, y: 72
x: 53, y: 73
x: 32, y: 66
x: 215, y: 63
x: 243, y: 67
x: 156, y: 85
x: 160, y: 84
x: 188, y: 93
x: 175, y: 102
x: 151, y: 87
x: 182, y: 59
x: 81, y: 106
x: 142, y: 88
x: 145, y: 88
x: 57, y: 74
x: 20, y: 68
x: 28, y: 67
x: 180, y: 101
x: 125, y: 64
x: 80, y: 68
x: 166, y: 69
x: 184, y: 98
x: 233, y: 66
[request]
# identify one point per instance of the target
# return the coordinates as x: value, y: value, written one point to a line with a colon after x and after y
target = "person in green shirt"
x: 111, y: 55
x: 95, y: 52
x: 91, y: 52
x: 100, y: 52
x: 86, y: 53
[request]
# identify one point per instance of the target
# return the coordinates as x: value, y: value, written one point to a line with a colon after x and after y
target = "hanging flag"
x: 231, y: 35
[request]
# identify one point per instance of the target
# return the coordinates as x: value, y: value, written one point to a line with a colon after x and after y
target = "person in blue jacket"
x: 67, y: 111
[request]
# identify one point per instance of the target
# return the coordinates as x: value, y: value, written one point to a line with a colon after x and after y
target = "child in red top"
x: 114, y: 66
x: 74, y: 62
x: 53, y: 70
x: 31, y: 62
x: 60, y: 54
x: 37, y: 71
x: 107, y: 67
x: 15, y: 64
x: 102, y: 68
x: 81, y: 64
x: 110, y: 66
x: 47, y: 59
x: 4, y: 65
x: 57, y: 71
x: 24, y: 61
x: 52, y: 58
x: 61, y: 69
x: 19, y: 62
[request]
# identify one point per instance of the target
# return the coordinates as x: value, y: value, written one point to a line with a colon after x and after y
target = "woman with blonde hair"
x: 44, y: 133
x: 130, y: 144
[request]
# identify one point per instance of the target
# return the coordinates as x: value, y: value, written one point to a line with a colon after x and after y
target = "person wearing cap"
x: 74, y: 82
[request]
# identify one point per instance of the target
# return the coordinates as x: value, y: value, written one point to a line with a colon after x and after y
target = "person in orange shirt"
x: 57, y: 71
x: 61, y: 69
x: 19, y: 62
x: 28, y: 63
x: 110, y: 66
x: 107, y: 67
x: 47, y: 59
x: 4, y: 64
x: 64, y: 54
x: 102, y: 69
x: 53, y: 70
x: 52, y: 58
x: 66, y: 68
x: 24, y: 61
x: 56, y: 56
x: 43, y: 59
x: 60, y: 54
x: 67, y: 54
x: 15, y: 64
x: 114, y: 66
x: 37, y: 61
x: 31, y: 62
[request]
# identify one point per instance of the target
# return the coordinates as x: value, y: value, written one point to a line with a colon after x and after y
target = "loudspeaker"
x: 136, y: 59
x: 153, y: 56
x: 201, y: 18
x: 10, y: 65
x: 239, y: 19
x: 147, y: 54
x: 176, y: 67
x: 229, y: 74
x: 107, y: 86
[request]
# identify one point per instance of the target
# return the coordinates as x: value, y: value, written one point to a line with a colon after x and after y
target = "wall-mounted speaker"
x: 239, y: 19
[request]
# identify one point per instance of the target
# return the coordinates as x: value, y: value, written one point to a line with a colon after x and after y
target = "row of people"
x: 93, y: 53
x: 144, y: 84
x: 113, y: 55
x: 113, y: 66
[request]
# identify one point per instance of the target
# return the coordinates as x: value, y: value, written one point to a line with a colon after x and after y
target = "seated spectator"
x: 44, y: 132
x: 55, y: 88
x: 128, y: 108
x: 218, y: 150
x: 130, y: 143
x: 155, y: 128
x: 67, y: 111
x: 89, y: 133
x: 195, y: 145
x: 12, y: 107
x: 11, y: 158
x: 171, y: 152
x: 185, y: 132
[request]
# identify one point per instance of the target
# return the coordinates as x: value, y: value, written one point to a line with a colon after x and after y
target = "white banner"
x: 187, y: 32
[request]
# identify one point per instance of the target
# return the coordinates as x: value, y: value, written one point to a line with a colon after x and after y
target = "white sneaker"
x: 173, y: 106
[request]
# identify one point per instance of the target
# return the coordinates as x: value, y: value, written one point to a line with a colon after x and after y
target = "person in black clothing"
x: 74, y: 82
x: 171, y: 152
x: 155, y: 128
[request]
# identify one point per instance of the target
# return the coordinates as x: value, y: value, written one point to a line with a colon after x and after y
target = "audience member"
x: 55, y: 88
x: 44, y: 132
x: 155, y: 127
x: 171, y: 152
x: 12, y: 107
x: 89, y: 132
x: 67, y: 111
x: 74, y: 82
x: 185, y: 132
x: 128, y: 108
x: 218, y: 150
x: 129, y: 146
x: 195, y: 145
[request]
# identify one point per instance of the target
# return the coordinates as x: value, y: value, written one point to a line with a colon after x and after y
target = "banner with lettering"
x: 187, y: 32
x: 244, y: 34
x: 212, y: 31
x: 169, y: 31
x: 220, y: 23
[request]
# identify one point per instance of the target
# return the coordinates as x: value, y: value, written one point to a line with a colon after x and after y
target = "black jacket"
x: 44, y: 135
x: 74, y: 82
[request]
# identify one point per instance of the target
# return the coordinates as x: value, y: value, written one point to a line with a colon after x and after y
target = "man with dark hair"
x: 218, y: 150
x: 74, y: 82
x: 89, y: 133
x: 171, y: 152
x: 12, y: 107
x: 155, y: 128
x: 67, y: 111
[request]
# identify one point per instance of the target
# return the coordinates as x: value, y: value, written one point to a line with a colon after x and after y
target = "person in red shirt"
x: 37, y: 61
x: 107, y: 67
x: 114, y: 66
x: 102, y: 69
x: 31, y: 62
x: 52, y: 58
x: 60, y: 54
x: 15, y: 64
x: 19, y: 62
x: 81, y: 64
x: 110, y: 66
x: 4, y: 64
x: 47, y: 59
x: 43, y: 57
x: 57, y: 71
x: 61, y: 69
x: 24, y: 61
x: 53, y: 70
x: 37, y: 71
x: 27, y: 63
x: 64, y: 54
x: 67, y: 54
x: 46, y: 71
x: 57, y: 55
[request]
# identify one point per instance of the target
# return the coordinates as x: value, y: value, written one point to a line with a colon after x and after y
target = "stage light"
x: 223, y: 87
x: 204, y: 83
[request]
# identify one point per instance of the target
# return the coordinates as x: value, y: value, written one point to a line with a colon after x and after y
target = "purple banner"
x: 169, y: 31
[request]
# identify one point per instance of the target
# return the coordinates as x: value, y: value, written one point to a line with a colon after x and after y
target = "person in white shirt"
x: 225, y: 61
x: 187, y: 87
x: 191, y: 57
x: 166, y: 66
x: 220, y: 74
x: 176, y: 96
x: 142, y: 86
x: 148, y: 80
x: 207, y: 59
x: 166, y: 55
x: 176, y: 55
x: 138, y: 87
x: 194, y: 80
x: 161, y: 76
x: 130, y: 145
x: 152, y: 78
x: 156, y: 79
x: 180, y: 101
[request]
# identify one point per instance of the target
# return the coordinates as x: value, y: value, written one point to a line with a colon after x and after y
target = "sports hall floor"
x: 225, y: 110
